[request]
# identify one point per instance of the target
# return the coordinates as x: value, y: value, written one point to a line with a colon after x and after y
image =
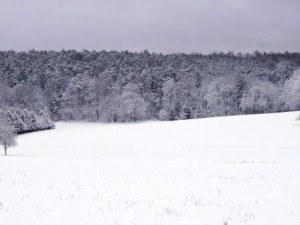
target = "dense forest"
x: 124, y: 86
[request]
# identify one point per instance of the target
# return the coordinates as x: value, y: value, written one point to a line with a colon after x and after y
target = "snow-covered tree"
x: 7, y: 134
x: 291, y: 92
x: 74, y: 98
x: 262, y: 97
x: 221, y: 96
x: 170, y: 101
x: 132, y: 106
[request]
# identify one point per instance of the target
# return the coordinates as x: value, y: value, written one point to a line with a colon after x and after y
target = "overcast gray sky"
x: 157, y: 25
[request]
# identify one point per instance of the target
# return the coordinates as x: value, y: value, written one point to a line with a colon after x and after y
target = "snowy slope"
x: 229, y: 170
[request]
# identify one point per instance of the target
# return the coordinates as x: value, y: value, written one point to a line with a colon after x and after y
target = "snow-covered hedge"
x: 26, y: 120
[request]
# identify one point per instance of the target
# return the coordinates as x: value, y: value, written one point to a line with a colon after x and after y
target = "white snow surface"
x: 215, y: 171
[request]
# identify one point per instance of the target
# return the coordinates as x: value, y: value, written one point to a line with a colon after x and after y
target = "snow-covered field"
x: 230, y: 170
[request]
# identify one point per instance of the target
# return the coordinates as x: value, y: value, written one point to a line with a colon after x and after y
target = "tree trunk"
x: 5, y: 148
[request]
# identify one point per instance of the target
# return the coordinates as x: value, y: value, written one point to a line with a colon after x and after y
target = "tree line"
x: 125, y: 86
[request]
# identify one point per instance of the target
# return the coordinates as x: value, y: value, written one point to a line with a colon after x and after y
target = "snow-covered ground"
x: 230, y: 170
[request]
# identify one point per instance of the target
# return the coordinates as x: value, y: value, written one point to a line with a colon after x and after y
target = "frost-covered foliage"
x: 24, y: 120
x: 291, y: 92
x: 261, y: 97
x: 25, y: 105
x: 7, y: 133
x: 123, y: 86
